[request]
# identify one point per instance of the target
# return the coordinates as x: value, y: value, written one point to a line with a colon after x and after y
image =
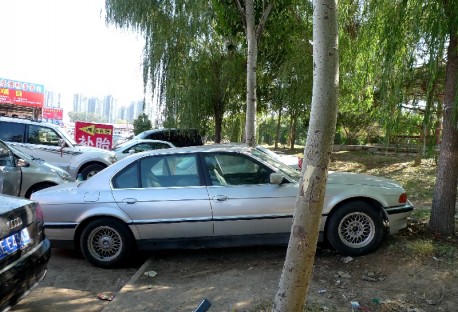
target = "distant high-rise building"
x: 53, y: 99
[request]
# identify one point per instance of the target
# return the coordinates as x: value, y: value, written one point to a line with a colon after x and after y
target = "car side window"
x: 6, y: 157
x: 12, y: 131
x: 236, y: 169
x: 169, y: 171
x: 42, y: 135
x: 127, y: 178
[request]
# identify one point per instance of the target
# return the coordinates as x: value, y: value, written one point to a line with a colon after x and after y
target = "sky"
x: 66, y: 46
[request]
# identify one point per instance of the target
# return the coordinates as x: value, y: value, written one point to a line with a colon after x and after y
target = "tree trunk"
x: 219, y: 112
x: 298, y: 267
x: 250, y: 126
x: 277, y: 133
x: 293, y: 131
x: 444, y: 200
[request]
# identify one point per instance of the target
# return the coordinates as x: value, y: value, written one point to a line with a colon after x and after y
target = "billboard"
x: 53, y: 115
x: 94, y: 134
x: 21, y: 93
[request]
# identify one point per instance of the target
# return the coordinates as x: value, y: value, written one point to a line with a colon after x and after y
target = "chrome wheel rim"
x: 105, y: 243
x: 91, y: 174
x: 356, y: 230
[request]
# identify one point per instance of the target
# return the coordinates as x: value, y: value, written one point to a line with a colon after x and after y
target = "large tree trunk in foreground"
x: 444, y: 200
x: 298, y: 267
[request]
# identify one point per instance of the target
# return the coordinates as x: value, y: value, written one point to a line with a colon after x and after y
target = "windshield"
x: 287, y: 170
x: 121, y: 146
x: 66, y: 136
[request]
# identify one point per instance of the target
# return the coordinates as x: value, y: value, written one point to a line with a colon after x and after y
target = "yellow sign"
x: 91, y: 130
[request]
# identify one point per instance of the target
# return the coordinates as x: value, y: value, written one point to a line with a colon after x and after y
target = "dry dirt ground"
x: 413, y: 271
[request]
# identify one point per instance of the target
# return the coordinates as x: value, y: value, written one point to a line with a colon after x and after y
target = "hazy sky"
x: 66, y: 46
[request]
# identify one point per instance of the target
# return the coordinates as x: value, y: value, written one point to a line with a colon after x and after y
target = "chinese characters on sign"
x: 93, y: 134
x: 21, y: 93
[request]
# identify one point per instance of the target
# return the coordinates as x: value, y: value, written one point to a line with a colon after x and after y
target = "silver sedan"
x: 136, y: 146
x: 211, y: 196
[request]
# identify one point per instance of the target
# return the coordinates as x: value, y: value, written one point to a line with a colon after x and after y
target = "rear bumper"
x: 397, y: 217
x: 21, y: 276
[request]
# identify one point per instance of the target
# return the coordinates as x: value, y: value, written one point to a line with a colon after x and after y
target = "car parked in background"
x: 24, y: 248
x: 54, y: 145
x: 22, y: 174
x: 178, y: 137
x: 136, y: 146
x: 213, y: 196
x: 290, y: 160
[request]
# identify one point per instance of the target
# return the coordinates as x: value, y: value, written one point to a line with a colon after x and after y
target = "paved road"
x: 72, y: 284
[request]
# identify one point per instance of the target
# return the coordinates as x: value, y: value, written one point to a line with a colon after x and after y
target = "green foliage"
x: 142, y: 123
x: 87, y: 117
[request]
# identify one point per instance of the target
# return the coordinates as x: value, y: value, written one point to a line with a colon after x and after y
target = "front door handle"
x: 220, y: 198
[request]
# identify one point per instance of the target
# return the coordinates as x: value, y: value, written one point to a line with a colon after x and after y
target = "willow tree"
x: 444, y: 200
x: 411, y: 34
x: 180, y: 42
x: 298, y: 267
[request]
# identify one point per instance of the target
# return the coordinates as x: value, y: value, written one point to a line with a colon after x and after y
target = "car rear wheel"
x: 355, y: 228
x: 91, y: 170
x: 106, y: 243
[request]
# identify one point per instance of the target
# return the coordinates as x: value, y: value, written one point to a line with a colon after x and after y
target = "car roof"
x: 231, y: 147
x: 27, y: 121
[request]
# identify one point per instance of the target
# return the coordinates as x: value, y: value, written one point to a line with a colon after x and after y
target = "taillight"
x: 403, y: 198
x: 299, y: 162
x: 38, y: 213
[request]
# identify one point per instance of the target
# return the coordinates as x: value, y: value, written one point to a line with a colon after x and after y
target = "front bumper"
x: 397, y: 217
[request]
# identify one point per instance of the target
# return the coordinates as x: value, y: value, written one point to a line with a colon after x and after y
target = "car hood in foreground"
x: 348, y: 178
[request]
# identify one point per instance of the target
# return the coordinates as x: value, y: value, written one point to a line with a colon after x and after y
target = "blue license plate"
x: 13, y: 243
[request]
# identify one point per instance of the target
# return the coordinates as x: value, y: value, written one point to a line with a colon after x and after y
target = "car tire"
x: 91, y: 170
x: 355, y: 228
x: 37, y: 188
x: 106, y: 243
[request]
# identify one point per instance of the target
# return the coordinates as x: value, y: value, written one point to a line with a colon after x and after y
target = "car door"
x: 165, y: 198
x: 43, y: 142
x: 10, y: 174
x: 242, y: 198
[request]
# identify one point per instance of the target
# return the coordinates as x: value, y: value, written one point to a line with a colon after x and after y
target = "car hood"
x: 348, y: 178
x: 83, y: 148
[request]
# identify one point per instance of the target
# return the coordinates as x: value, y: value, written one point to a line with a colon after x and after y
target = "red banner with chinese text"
x: 94, y: 134
x: 21, y: 93
x: 53, y: 113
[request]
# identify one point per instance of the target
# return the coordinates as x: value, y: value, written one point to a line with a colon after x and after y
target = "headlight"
x: 113, y: 159
x: 64, y: 175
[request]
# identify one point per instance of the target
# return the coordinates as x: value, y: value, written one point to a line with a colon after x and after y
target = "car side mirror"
x: 276, y: 178
x: 131, y: 151
x: 22, y: 163
x: 61, y: 143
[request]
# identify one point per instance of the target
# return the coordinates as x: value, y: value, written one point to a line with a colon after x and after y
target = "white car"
x: 137, y: 146
x: 290, y: 160
x: 214, y: 196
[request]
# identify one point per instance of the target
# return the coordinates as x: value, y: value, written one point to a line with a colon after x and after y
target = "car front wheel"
x: 106, y: 243
x: 355, y: 228
x: 91, y: 170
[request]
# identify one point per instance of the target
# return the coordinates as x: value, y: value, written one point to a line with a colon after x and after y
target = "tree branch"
x: 262, y: 22
x: 242, y: 13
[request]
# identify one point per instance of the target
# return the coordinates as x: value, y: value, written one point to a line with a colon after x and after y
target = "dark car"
x: 24, y: 248
x: 178, y: 137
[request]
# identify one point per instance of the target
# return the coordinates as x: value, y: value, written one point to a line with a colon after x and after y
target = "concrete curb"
x: 122, y: 295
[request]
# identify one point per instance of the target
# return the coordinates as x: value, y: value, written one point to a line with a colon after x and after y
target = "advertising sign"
x: 94, y: 134
x: 21, y: 93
